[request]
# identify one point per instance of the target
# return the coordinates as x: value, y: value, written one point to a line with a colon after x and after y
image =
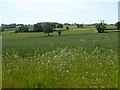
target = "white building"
x: 119, y: 11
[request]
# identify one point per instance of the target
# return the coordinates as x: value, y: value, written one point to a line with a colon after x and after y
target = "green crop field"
x: 79, y: 58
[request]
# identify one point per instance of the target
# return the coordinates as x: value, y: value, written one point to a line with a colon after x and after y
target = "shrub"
x: 118, y: 25
x: 100, y: 27
x: 22, y: 29
x: 79, y: 25
x: 67, y: 28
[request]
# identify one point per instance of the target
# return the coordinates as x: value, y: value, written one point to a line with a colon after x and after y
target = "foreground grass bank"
x: 82, y: 59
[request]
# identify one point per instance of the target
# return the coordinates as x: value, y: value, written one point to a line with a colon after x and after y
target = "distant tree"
x: 67, y: 28
x: 118, y: 25
x: 12, y: 25
x: 21, y: 25
x: 53, y: 25
x: 37, y: 27
x: 101, y: 27
x: 2, y: 28
x: 79, y: 25
x: 75, y: 24
x: 59, y: 32
x: 47, y: 27
x: 59, y: 26
x: 22, y: 29
x: 66, y: 24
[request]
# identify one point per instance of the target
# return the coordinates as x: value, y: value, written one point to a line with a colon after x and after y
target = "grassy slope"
x: 77, y: 58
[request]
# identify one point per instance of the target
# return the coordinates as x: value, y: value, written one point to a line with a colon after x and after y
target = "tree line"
x: 46, y: 27
x: 49, y: 27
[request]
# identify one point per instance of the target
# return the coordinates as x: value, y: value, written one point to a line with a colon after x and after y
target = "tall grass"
x: 87, y: 60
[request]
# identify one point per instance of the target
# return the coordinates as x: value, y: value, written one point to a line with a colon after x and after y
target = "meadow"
x: 79, y: 58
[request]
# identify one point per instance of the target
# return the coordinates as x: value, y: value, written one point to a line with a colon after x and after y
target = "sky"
x: 62, y: 11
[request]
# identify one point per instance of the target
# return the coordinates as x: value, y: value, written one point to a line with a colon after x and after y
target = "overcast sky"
x: 62, y: 11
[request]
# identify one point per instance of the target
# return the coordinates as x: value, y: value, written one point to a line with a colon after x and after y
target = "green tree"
x: 79, y: 25
x: 47, y: 27
x: 118, y: 25
x: 53, y: 25
x: 22, y: 29
x: 59, y: 26
x: 37, y: 27
x: 2, y: 28
x: 67, y: 28
x: 101, y: 27
x: 59, y: 32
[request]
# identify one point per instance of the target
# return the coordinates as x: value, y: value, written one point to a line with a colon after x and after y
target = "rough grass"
x: 76, y: 59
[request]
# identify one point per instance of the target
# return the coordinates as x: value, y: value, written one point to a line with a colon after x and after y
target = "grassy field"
x: 79, y: 58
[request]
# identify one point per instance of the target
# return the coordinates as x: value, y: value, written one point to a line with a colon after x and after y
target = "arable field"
x: 79, y: 58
